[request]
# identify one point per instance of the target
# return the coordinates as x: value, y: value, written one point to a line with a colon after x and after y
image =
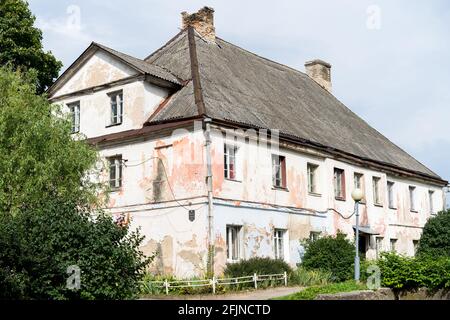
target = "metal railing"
x: 214, y: 282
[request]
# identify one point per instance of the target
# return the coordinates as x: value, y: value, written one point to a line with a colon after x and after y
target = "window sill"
x: 378, y: 205
x: 315, y: 194
x: 113, y: 125
x: 393, y: 208
x: 114, y: 190
x: 340, y: 199
x: 233, y: 180
x: 415, y: 211
x: 280, y: 188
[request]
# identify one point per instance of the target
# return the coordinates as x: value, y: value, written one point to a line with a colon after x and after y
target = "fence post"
x: 214, y: 284
x: 285, y: 278
x: 255, y: 278
x: 166, y: 284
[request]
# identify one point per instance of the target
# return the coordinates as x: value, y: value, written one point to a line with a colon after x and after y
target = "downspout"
x: 209, y: 185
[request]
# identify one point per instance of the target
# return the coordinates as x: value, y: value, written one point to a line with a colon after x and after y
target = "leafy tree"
x: 47, y: 204
x: 332, y: 254
x: 38, y: 157
x: 435, y: 240
x: 21, y: 43
x: 43, y: 249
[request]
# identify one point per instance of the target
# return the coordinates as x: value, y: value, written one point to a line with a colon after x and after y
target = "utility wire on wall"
x: 167, y: 180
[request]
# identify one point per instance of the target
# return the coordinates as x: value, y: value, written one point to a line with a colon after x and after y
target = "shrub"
x: 435, y: 240
x: 330, y: 254
x: 304, y: 277
x: 256, y: 265
x: 401, y: 272
x: 39, y: 245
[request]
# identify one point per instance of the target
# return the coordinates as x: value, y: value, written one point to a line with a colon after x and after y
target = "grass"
x: 312, y: 292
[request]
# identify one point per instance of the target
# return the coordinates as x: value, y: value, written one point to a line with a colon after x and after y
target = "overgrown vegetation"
x: 312, y: 292
x: 406, y: 273
x: 435, y: 240
x: 47, y: 231
x: 256, y: 265
x: 330, y: 254
x: 303, y: 277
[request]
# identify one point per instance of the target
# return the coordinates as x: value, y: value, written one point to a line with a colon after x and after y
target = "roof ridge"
x: 165, y: 45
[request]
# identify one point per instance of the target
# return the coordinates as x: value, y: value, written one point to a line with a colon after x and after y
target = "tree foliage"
x: 47, y: 202
x: 435, y: 239
x: 38, y: 157
x: 21, y: 43
x: 332, y: 254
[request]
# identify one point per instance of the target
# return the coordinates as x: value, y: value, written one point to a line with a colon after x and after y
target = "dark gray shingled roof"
x: 244, y: 88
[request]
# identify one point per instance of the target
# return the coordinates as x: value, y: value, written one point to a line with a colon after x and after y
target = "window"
x: 339, y: 184
x: 376, y: 190
x: 233, y: 243
x: 390, y: 189
x: 415, y: 246
x: 379, y: 245
x: 314, y: 235
x: 229, y: 160
x: 430, y: 199
x: 412, y: 200
x: 115, y: 172
x: 393, y: 245
x: 358, y: 182
x: 312, y: 178
x: 116, y: 99
x: 278, y: 171
x: 74, y: 109
x: 278, y: 242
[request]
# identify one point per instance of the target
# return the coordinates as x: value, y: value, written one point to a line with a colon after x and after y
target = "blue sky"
x: 391, y: 59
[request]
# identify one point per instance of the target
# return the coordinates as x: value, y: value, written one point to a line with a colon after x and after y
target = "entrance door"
x: 363, y: 245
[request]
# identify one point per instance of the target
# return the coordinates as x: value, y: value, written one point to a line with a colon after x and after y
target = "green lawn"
x: 311, y: 292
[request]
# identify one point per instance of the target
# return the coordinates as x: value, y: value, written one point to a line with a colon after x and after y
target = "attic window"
x: 116, y: 102
x: 74, y: 109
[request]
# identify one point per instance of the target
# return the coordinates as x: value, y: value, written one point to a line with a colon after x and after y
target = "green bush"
x: 330, y: 254
x: 39, y: 245
x: 401, y: 272
x: 435, y: 240
x: 256, y: 265
x: 307, y: 278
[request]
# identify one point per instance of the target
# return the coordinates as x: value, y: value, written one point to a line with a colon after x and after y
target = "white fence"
x: 220, y: 281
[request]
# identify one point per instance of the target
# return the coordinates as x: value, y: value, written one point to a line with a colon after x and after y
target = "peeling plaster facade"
x: 164, y: 177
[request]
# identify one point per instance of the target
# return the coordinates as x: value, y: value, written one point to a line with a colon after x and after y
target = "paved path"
x: 262, y: 294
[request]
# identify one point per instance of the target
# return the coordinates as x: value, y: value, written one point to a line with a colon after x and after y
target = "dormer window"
x: 116, y: 101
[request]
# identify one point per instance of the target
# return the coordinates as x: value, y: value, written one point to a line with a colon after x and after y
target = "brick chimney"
x: 320, y: 72
x: 202, y: 21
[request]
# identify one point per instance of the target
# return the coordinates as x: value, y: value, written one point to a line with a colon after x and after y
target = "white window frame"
x: 116, y: 176
x: 74, y: 109
x: 378, y: 246
x: 390, y: 185
x: 376, y: 183
x: 233, y: 237
x: 279, y: 171
x: 116, y: 107
x: 230, y: 161
x: 313, y: 177
x: 314, y: 235
x: 393, y: 244
x: 278, y: 243
x: 339, y: 183
x: 412, y: 198
x: 431, y: 201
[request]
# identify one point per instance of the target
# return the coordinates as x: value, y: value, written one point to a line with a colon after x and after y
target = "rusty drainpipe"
x: 210, y: 260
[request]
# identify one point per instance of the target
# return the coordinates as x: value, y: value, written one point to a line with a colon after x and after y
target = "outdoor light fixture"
x: 357, y: 196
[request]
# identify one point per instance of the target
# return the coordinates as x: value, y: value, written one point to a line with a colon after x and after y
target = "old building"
x: 218, y: 154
